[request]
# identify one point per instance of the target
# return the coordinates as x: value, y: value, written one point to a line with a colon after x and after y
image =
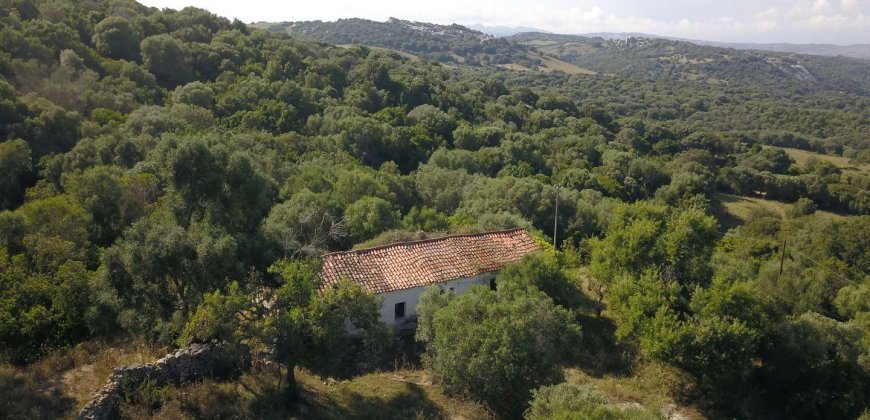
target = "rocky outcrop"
x: 183, y: 365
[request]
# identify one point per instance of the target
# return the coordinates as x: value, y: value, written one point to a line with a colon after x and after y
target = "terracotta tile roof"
x: 420, y: 263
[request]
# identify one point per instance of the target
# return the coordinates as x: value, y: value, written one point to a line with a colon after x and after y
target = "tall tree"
x: 167, y: 58
x: 115, y: 37
x: 15, y: 165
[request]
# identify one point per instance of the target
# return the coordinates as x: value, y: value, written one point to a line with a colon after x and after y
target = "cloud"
x: 819, y: 5
x: 769, y: 13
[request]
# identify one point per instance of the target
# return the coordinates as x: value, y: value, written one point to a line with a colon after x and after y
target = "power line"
x: 772, y: 242
x: 820, y: 265
x: 769, y: 241
x: 777, y: 297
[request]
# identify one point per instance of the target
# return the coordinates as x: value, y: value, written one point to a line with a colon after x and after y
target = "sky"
x: 796, y: 21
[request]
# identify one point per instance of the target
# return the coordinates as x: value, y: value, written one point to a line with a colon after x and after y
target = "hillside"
x: 448, y: 44
x: 662, y: 59
x: 632, y: 57
x: 819, y: 98
x: 861, y: 51
x: 502, y: 30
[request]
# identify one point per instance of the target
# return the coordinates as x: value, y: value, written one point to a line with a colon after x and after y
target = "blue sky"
x: 797, y: 21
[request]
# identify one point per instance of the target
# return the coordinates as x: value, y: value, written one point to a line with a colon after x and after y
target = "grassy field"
x: 555, y: 48
x: 58, y: 385
x: 744, y: 209
x: 404, y: 394
x: 407, y: 55
x: 738, y: 210
x: 554, y: 64
x: 651, y: 386
x: 802, y: 156
x: 549, y: 64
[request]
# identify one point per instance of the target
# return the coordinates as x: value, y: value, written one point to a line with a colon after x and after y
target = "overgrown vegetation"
x: 171, y: 176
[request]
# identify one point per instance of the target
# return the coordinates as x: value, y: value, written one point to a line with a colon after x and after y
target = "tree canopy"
x: 155, y: 163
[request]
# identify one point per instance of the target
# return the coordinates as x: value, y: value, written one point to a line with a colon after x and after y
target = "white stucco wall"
x: 412, y: 296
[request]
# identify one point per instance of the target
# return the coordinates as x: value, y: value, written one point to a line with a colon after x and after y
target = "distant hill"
x: 829, y: 50
x: 448, y: 44
x: 619, y: 55
x: 504, y: 30
x: 665, y: 59
x: 444, y: 43
x: 617, y: 35
x: 855, y: 51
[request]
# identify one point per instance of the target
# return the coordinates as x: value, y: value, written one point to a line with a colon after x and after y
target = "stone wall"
x: 187, y: 364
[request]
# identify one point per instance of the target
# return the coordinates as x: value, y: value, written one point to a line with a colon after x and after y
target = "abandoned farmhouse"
x: 400, y: 272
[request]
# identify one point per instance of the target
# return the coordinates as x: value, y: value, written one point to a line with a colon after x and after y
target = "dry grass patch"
x: 397, y: 394
x: 62, y: 382
x: 745, y: 209
x: 405, y: 394
x: 93, y: 369
x: 514, y: 67
x: 554, y: 64
x: 26, y: 394
x: 653, y: 386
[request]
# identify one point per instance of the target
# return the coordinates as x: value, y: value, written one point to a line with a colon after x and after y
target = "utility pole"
x: 781, y: 259
x: 556, y: 218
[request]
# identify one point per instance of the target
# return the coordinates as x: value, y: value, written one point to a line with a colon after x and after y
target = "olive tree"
x: 544, y: 272
x: 167, y: 58
x: 303, y: 324
x: 499, y: 345
x: 15, y: 164
x: 115, y: 37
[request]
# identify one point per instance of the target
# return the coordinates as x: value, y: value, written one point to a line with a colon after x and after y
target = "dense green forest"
x: 162, y: 171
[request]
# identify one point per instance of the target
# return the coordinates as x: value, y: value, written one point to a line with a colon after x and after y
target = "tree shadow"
x: 410, y: 402
x: 725, y: 218
x: 404, y: 352
x: 269, y: 404
x: 583, y: 304
x: 23, y: 398
x: 601, y: 352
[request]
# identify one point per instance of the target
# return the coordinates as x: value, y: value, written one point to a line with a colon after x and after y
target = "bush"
x: 816, y: 367
x: 543, y: 272
x: 572, y: 401
x: 499, y: 345
x: 802, y: 207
